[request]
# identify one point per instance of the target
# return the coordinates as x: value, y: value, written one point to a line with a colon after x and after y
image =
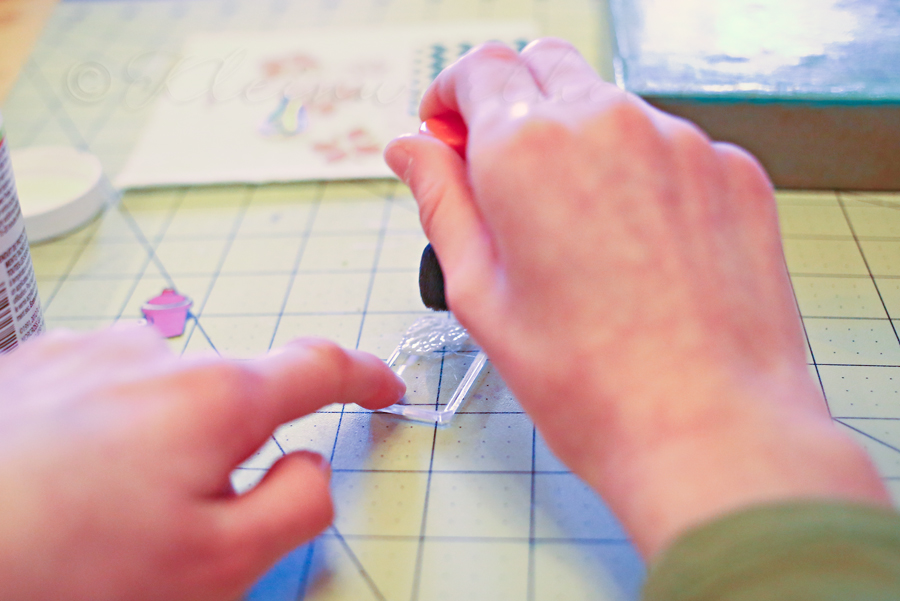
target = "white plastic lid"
x: 60, y: 189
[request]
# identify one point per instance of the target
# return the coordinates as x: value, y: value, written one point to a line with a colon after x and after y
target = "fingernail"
x: 399, y: 387
x: 320, y: 462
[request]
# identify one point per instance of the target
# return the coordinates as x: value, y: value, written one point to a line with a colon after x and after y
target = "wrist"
x: 763, y: 444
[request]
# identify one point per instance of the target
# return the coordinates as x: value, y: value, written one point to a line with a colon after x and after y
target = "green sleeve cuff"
x: 808, y: 551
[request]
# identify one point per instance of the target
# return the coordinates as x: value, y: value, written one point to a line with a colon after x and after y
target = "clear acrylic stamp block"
x: 440, y: 364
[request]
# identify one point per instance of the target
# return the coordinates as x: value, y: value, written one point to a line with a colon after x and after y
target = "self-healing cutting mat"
x: 478, y: 509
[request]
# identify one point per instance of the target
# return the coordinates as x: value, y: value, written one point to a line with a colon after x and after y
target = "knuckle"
x: 319, y: 509
x: 693, y: 151
x: 626, y: 124
x: 744, y: 169
x: 493, y: 50
x: 225, y: 559
x: 230, y: 394
x: 738, y: 158
x: 628, y: 117
x: 552, y: 42
x: 141, y: 337
x: 689, y: 138
x: 328, y: 361
x: 548, y: 45
x: 123, y: 344
x: 230, y: 380
x: 59, y: 338
x: 322, y: 356
x: 332, y: 363
x: 328, y: 355
x: 51, y: 345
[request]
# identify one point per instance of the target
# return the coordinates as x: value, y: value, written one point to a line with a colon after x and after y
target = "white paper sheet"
x: 348, y: 92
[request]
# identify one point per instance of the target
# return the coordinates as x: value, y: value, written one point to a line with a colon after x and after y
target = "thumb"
x: 290, y: 506
x: 449, y: 213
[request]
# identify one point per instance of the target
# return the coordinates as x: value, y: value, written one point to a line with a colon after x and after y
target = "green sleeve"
x: 793, y: 552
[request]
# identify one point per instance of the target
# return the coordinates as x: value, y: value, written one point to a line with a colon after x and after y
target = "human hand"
x: 625, y: 275
x: 115, y: 458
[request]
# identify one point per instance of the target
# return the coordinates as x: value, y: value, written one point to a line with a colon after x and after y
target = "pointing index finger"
x: 307, y: 374
x: 223, y: 410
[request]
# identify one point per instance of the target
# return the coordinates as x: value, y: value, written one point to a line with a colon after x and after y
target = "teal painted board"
x: 812, y: 87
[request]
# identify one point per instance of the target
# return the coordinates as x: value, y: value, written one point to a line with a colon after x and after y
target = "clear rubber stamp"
x: 440, y: 365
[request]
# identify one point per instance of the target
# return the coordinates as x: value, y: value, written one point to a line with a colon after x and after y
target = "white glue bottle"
x: 20, y: 307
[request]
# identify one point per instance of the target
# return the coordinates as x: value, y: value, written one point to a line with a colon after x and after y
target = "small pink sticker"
x: 168, y: 312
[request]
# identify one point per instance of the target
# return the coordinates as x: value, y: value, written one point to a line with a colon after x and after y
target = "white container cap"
x: 60, y: 189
